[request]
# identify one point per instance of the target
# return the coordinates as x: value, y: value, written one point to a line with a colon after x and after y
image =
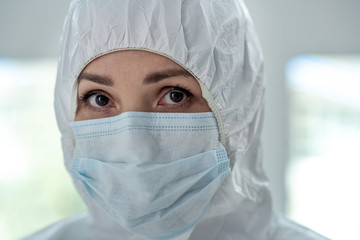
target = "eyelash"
x: 84, y: 98
x: 183, y: 89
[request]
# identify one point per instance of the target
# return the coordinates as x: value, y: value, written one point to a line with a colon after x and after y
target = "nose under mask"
x: 154, y: 173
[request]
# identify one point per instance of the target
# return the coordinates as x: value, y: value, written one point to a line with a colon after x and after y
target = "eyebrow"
x: 104, y: 80
x: 149, y: 79
x: 158, y: 76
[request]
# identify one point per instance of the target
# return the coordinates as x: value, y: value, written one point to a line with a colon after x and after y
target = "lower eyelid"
x: 103, y: 110
x: 171, y: 107
x: 177, y: 107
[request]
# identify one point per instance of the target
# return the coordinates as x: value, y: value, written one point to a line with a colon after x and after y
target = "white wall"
x: 31, y: 28
x: 286, y: 28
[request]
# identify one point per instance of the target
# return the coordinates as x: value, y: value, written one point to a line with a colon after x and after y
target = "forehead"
x: 129, y: 60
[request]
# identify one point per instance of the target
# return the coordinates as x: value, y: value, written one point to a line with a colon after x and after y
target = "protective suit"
x: 215, y: 41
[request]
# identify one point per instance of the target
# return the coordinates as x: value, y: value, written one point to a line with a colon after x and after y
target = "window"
x: 35, y: 188
x: 323, y: 172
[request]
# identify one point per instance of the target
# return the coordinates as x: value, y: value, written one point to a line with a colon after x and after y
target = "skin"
x: 136, y: 81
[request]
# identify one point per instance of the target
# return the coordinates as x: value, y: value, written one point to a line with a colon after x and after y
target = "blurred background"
x: 311, y: 131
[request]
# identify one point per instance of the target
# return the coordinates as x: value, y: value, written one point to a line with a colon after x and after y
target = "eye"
x: 98, y: 100
x: 175, y: 96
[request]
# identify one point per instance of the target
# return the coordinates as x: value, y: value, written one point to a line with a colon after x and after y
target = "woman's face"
x: 136, y: 81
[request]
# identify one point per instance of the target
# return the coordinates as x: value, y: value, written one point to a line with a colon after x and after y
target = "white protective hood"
x: 215, y: 41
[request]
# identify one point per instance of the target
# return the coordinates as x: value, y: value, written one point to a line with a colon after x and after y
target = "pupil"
x: 101, y: 100
x: 176, y: 96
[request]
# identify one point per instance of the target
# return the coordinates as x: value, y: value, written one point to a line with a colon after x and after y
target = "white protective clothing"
x: 215, y: 41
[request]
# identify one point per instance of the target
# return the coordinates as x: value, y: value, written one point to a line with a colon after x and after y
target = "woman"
x: 159, y: 104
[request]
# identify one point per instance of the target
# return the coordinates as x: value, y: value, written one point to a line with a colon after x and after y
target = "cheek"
x: 201, y: 105
x: 81, y: 114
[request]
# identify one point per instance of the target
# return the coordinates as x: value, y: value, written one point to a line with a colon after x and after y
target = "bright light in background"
x: 323, y: 174
x: 336, y: 79
x: 35, y: 188
x: 17, y: 79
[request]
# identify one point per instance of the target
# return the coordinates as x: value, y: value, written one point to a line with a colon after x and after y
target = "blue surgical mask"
x: 154, y: 173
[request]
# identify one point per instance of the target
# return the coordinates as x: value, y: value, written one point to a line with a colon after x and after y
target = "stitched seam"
x: 150, y: 127
x: 223, y: 163
x: 141, y: 117
x: 117, y: 131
